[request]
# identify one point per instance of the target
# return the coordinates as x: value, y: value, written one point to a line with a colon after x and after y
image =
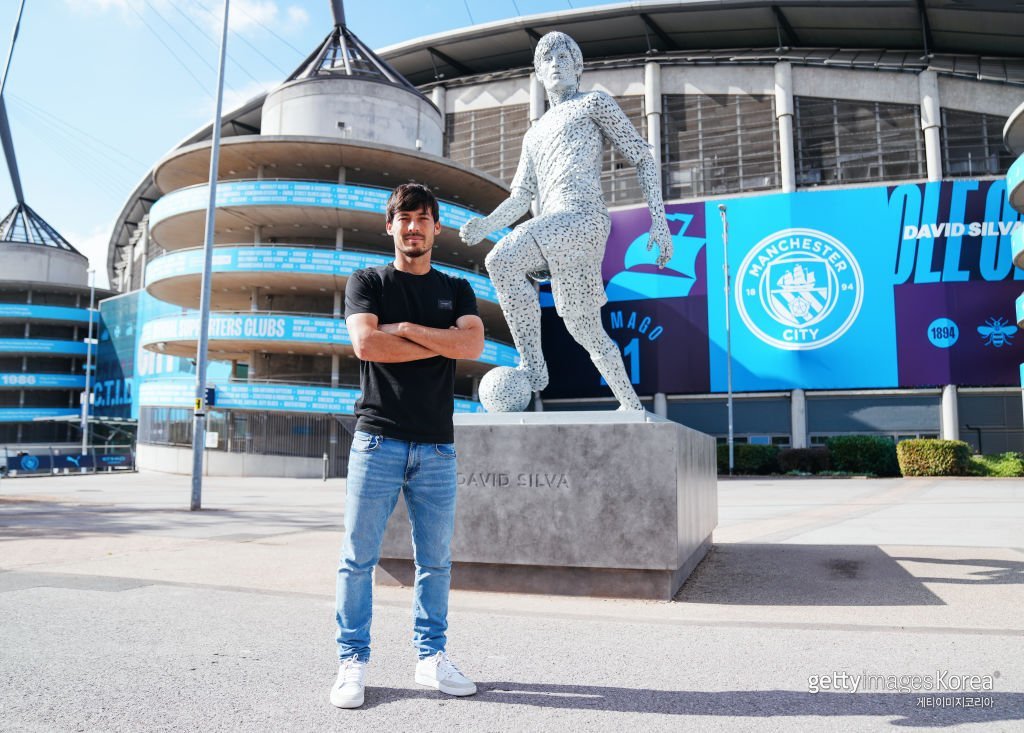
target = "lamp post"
x: 88, y: 366
x: 728, y: 332
x: 202, y: 358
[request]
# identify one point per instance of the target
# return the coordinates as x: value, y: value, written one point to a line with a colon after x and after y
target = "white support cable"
x: 260, y: 23
x: 72, y: 156
x: 45, y: 114
x: 203, y: 33
x: 169, y: 49
x: 73, y: 152
x: 36, y: 123
x: 193, y: 48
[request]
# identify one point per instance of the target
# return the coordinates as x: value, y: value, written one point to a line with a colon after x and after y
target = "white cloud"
x: 97, y: 5
x: 297, y: 17
x: 236, y: 97
x: 252, y: 15
x: 88, y: 7
x: 245, y: 15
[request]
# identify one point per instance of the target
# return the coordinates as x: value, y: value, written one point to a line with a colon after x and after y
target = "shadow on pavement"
x: 804, y: 575
x: 989, y: 572
x: 906, y: 709
x: 59, y: 520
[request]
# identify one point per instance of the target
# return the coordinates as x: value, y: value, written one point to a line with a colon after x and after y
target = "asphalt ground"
x: 848, y: 604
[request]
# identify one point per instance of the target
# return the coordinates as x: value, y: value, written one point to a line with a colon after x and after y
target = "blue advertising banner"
x: 28, y: 414
x: 301, y: 260
x: 889, y: 286
x: 279, y: 328
x: 123, y: 364
x: 256, y: 396
x: 811, y: 295
x: 27, y: 312
x: 128, y: 375
x: 20, y: 380
x: 296, y: 193
x: 46, y: 462
x: 42, y: 346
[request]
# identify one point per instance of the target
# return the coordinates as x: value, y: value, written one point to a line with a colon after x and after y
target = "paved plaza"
x: 825, y: 605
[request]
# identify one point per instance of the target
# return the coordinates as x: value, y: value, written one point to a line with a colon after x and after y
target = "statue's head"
x: 555, y: 54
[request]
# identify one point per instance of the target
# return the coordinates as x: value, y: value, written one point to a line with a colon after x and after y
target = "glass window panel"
x: 972, y: 144
x: 846, y: 141
x: 718, y: 144
x: 618, y: 178
x: 489, y: 139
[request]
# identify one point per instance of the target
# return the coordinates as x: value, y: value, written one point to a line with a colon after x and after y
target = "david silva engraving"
x: 500, y: 480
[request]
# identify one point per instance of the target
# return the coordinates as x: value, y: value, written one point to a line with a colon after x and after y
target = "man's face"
x: 557, y: 69
x: 413, y: 232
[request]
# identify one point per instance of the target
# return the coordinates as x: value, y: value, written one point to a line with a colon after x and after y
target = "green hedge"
x: 805, y: 460
x: 930, y: 457
x: 867, y: 454
x: 1002, y: 464
x: 758, y: 460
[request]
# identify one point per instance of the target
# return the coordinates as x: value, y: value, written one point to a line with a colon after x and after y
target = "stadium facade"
x: 45, y: 354
x: 861, y: 168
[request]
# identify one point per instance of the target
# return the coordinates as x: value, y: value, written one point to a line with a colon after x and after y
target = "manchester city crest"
x: 799, y: 289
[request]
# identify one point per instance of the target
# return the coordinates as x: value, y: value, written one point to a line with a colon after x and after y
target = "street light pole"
x: 728, y: 332
x: 202, y: 359
x: 88, y: 366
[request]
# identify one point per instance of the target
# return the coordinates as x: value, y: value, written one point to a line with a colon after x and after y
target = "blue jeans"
x: 379, y: 469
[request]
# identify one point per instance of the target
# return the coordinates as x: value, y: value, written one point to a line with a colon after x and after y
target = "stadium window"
x: 845, y: 141
x: 489, y: 140
x: 714, y: 144
x: 618, y: 178
x: 972, y: 144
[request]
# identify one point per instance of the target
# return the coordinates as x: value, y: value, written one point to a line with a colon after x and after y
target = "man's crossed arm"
x: 398, y: 342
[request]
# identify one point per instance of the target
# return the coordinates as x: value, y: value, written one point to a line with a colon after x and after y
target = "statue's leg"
x: 590, y: 334
x: 507, y: 265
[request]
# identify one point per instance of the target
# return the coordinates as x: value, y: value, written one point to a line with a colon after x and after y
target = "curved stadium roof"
x: 976, y: 39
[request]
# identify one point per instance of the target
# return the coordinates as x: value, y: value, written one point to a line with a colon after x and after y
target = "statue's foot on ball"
x: 538, y: 378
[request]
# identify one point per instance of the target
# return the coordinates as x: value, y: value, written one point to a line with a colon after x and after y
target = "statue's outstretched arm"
x: 625, y: 138
x: 509, y: 211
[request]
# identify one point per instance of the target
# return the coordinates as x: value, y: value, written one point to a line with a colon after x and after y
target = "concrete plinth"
x: 573, y: 503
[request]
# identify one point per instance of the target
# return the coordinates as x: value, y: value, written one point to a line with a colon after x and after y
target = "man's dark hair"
x: 411, y: 197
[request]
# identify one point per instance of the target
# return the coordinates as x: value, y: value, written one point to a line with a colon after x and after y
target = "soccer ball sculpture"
x: 504, y: 389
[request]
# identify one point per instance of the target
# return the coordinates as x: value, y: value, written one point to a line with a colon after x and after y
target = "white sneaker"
x: 441, y: 673
x: 348, y: 688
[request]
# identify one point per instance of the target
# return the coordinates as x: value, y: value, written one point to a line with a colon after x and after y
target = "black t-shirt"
x: 411, y: 400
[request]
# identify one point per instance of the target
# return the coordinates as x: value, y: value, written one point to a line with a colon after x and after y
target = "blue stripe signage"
x: 278, y: 397
x: 42, y: 346
x: 270, y: 328
x: 24, y: 311
x: 58, y: 381
x: 28, y: 414
x: 296, y: 193
x: 297, y: 260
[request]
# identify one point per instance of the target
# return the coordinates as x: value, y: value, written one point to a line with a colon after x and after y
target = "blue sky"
x: 99, y: 90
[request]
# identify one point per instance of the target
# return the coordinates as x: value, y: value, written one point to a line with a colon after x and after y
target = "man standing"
x: 408, y: 323
x: 560, y: 167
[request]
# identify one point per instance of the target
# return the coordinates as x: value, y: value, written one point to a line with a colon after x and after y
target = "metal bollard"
x: 325, y: 466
